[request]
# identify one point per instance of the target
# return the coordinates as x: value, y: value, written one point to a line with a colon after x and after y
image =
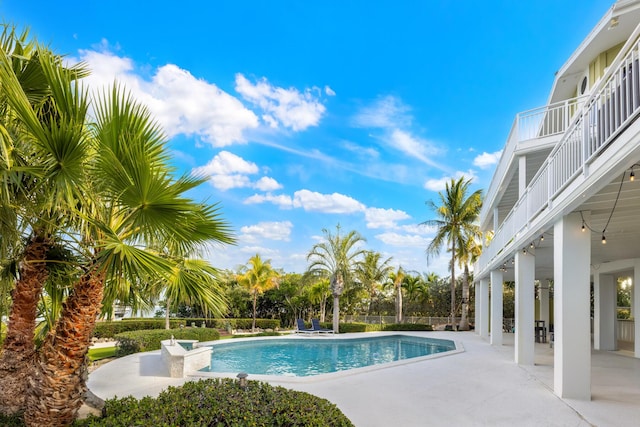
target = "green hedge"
x: 111, y: 329
x: 221, y: 402
x: 375, y: 327
x: 147, y: 340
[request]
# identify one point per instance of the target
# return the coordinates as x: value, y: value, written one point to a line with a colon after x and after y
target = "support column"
x: 543, y: 295
x: 604, y: 312
x: 635, y: 305
x: 525, y: 308
x: 483, y: 307
x: 572, y: 348
x: 522, y: 175
x: 496, y: 307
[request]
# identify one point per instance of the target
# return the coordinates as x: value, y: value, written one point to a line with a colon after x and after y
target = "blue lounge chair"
x: 316, y: 327
x: 302, y: 329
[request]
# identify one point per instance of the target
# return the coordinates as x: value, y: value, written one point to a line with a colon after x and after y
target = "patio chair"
x: 315, y: 323
x: 302, y: 329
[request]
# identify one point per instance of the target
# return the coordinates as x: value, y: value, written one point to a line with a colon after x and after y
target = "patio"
x: 480, y: 386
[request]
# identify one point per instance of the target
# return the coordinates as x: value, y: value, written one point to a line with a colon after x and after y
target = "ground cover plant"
x: 221, y: 402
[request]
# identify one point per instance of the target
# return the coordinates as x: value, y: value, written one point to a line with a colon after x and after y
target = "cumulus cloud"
x: 403, y: 240
x: 486, y: 160
x: 182, y: 103
x: 328, y: 203
x: 281, y: 200
x: 283, y: 107
x: 439, y: 184
x: 267, y: 184
x: 225, y: 163
x: 267, y: 230
x: 384, y: 218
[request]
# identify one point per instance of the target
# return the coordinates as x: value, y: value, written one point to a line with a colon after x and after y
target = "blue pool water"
x: 306, y: 356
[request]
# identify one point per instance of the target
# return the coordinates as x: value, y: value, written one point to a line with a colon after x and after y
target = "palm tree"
x: 258, y: 276
x: 337, y: 258
x: 318, y: 294
x: 396, y: 279
x: 467, y: 254
x: 40, y: 186
x: 372, y: 272
x: 414, y: 287
x: 456, y: 216
x: 107, y: 188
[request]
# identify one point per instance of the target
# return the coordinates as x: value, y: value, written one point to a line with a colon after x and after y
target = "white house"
x: 565, y: 209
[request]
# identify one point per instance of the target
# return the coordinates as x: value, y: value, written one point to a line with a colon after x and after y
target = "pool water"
x: 307, y: 356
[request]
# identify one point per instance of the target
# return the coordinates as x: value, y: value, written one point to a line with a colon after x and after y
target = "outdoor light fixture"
x: 632, y: 176
x: 541, y: 237
x: 613, y: 23
x: 583, y: 227
x: 531, y: 245
x: 604, y: 239
x: 242, y: 379
x: 524, y: 251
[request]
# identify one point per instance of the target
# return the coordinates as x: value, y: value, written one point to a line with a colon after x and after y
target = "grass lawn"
x: 101, y: 353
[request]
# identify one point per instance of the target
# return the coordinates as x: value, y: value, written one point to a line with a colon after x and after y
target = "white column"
x: 496, y: 307
x: 635, y: 305
x: 482, y: 296
x: 525, y: 308
x: 604, y: 312
x: 572, y: 348
x: 496, y: 219
x: 543, y: 295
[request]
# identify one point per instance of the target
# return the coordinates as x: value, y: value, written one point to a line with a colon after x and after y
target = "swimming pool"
x: 301, y: 357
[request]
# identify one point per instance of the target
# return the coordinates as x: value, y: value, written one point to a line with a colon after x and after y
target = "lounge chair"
x: 302, y: 329
x: 316, y: 327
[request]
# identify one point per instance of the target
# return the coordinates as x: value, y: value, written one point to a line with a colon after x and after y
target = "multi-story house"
x: 565, y: 210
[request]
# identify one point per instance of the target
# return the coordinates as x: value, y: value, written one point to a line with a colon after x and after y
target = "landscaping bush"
x: 221, y: 402
x: 147, y: 340
x: 375, y: 327
x: 112, y: 328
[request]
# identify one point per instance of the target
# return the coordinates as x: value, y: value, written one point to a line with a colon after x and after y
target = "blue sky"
x: 309, y: 114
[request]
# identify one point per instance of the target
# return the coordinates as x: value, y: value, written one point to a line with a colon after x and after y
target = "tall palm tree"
x: 372, y: 273
x: 337, y: 258
x: 455, y: 220
x: 467, y: 254
x: 396, y: 279
x: 318, y: 294
x: 258, y: 276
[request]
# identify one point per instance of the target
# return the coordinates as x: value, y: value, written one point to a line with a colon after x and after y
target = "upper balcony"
x: 581, y: 157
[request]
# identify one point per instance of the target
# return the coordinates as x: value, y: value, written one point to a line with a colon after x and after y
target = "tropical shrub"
x: 147, y: 340
x: 376, y: 327
x: 221, y: 402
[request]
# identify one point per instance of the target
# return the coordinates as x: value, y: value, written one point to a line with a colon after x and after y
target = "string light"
x: 541, y: 237
x: 604, y: 239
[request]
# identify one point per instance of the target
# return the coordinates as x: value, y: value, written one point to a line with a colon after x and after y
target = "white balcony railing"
x: 613, y: 105
x: 541, y: 122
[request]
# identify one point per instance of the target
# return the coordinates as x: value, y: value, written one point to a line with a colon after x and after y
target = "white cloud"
x: 281, y: 200
x: 267, y: 230
x: 384, y: 218
x: 287, y: 107
x: 267, y: 184
x: 403, y: 240
x: 418, y: 229
x: 182, y: 103
x: 329, y: 91
x: 386, y: 112
x: 225, y: 163
x: 227, y: 182
x: 415, y: 147
x: 329, y: 203
x: 486, y: 160
x: 366, y: 152
x: 439, y: 184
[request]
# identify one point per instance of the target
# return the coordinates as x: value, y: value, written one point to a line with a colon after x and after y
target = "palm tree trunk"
x: 16, y: 362
x: 167, y: 323
x: 255, y: 301
x: 57, y: 387
x: 453, y: 282
x: 464, y: 320
x: 323, y: 308
x: 336, y: 313
x: 400, y: 317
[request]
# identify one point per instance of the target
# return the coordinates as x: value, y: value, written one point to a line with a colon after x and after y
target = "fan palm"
x: 337, y: 258
x: 456, y: 216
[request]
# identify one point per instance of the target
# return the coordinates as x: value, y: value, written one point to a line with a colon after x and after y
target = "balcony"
x: 587, y: 128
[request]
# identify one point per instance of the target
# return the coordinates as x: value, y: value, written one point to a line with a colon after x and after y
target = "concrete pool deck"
x: 481, y: 386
